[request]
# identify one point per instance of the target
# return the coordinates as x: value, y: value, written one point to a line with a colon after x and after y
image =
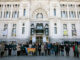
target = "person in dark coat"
x: 62, y: 50
x: 67, y: 49
x: 56, y: 49
x: 10, y: 49
x: 39, y: 49
x: 45, y: 48
x: 36, y: 46
x: 49, y: 48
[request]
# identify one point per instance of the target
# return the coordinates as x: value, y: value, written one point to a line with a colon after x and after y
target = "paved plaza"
x: 39, y: 58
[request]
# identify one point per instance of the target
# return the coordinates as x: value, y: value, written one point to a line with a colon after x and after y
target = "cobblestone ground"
x: 52, y: 57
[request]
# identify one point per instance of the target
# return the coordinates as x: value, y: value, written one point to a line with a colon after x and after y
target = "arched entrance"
x: 39, y: 27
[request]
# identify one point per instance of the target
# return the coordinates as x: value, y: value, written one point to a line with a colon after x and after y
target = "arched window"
x: 39, y: 26
x: 32, y: 25
x: 39, y: 15
x: 46, y: 25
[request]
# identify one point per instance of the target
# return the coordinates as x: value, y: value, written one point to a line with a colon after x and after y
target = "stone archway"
x: 39, y: 11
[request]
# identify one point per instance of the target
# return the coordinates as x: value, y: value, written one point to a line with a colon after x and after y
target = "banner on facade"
x: 14, y: 32
x: 65, y: 33
x: 33, y: 39
x: 5, y: 32
x: 44, y: 38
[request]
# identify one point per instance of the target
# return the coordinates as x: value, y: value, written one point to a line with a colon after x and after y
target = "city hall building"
x: 40, y: 20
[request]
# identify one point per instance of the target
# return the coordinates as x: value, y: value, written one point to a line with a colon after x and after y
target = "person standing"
x: 45, y: 48
x: 59, y: 47
x: 6, y: 50
x: 67, y: 49
x: 10, y: 49
x: 79, y: 49
x: 52, y: 50
x: 2, y: 50
x: 62, y: 50
x: 18, y: 49
x: 42, y: 49
x: 36, y: 48
x: 76, y: 50
x: 14, y: 52
x: 39, y: 49
x: 56, y: 49
x: 49, y: 47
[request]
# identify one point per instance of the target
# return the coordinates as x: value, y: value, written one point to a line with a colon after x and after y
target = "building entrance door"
x: 39, y: 39
x: 40, y: 31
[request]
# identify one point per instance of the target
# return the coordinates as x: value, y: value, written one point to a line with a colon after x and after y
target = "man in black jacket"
x: 39, y: 49
x: 67, y: 49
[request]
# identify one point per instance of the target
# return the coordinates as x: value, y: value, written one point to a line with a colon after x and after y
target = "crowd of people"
x: 41, y: 49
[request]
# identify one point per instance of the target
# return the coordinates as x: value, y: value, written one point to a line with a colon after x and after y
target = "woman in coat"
x: 79, y: 49
x: 2, y: 50
x: 42, y: 49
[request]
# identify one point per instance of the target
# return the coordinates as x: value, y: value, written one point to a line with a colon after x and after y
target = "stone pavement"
x: 39, y: 58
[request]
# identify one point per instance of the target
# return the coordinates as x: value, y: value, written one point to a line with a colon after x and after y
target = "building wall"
x: 33, y: 7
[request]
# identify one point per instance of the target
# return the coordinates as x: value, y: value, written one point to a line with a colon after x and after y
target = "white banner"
x: 44, y: 39
x: 5, y: 32
x: 33, y: 39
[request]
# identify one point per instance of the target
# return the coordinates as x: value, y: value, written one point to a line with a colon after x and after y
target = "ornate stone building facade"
x: 40, y: 20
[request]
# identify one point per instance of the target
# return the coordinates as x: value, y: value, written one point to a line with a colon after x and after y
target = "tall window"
x: 55, y: 28
x: 72, y: 14
x: 23, y: 28
x: 7, y: 14
x: 63, y: 14
x: 32, y: 29
x: 78, y: 14
x: 1, y: 14
x: 5, y: 31
x: 46, y: 29
x: 65, y: 31
x: 39, y: 15
x: 54, y: 12
x: 15, y: 14
x: 24, y: 12
x: 73, y: 30
x: 14, y: 30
